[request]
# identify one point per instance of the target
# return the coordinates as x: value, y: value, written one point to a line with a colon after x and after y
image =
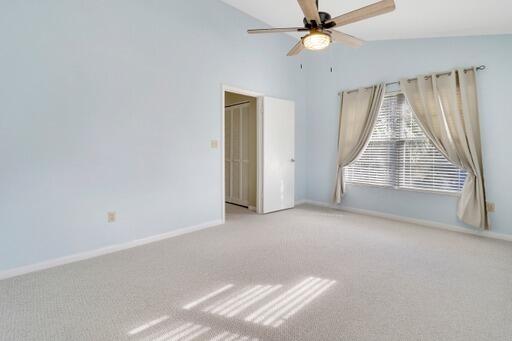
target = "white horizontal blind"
x: 399, y: 155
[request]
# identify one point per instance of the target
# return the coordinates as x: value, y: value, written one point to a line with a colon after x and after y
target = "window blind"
x: 399, y: 154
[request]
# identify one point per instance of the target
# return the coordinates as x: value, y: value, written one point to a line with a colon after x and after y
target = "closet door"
x: 227, y: 153
x: 244, y: 158
x: 237, y: 154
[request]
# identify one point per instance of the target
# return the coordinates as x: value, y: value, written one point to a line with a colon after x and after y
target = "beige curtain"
x: 447, y: 109
x: 359, y: 110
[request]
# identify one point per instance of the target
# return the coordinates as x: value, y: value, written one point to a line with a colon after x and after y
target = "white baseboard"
x: 103, y: 251
x: 427, y: 223
x: 119, y: 247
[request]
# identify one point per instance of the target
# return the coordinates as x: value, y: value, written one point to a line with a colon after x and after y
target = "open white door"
x: 278, y: 155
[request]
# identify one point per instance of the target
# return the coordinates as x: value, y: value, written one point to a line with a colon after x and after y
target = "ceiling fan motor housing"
x: 324, y: 16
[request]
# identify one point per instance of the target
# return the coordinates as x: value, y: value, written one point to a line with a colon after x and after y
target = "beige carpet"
x: 302, y: 274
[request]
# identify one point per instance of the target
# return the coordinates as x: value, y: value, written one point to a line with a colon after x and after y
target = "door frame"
x: 259, y: 109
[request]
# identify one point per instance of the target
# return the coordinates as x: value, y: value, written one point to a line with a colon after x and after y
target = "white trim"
x: 259, y: 154
x: 240, y: 91
x: 103, y: 251
x: 421, y: 222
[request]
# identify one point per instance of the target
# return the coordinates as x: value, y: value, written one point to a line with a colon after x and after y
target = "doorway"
x: 257, y: 152
x: 240, y: 150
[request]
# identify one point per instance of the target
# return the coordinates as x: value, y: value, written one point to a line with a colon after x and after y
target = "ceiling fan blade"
x: 346, y: 39
x: 310, y: 10
x: 367, y: 12
x: 278, y: 30
x: 296, y: 49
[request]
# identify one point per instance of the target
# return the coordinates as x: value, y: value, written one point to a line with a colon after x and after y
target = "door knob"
x: 292, y: 160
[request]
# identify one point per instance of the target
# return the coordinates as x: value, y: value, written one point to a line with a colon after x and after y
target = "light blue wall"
x: 111, y: 106
x: 107, y: 106
x: 389, y: 61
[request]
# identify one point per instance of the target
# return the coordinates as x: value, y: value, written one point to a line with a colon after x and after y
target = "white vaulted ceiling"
x: 411, y: 19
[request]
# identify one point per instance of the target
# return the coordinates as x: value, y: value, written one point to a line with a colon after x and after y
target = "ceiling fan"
x: 319, y: 25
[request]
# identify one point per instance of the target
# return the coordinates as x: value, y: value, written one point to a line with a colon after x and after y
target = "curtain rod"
x: 478, y: 68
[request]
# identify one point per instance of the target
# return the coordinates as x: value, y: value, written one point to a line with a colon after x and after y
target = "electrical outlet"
x: 111, y: 217
x: 491, y: 207
x: 214, y: 144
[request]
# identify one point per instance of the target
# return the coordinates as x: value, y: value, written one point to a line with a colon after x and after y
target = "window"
x: 399, y: 155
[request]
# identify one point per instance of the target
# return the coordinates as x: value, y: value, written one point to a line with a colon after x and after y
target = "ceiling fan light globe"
x: 316, y: 41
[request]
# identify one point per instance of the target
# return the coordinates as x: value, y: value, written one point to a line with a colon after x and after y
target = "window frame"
x: 405, y: 189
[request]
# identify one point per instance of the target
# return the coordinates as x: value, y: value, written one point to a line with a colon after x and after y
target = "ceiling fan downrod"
x: 324, y: 20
